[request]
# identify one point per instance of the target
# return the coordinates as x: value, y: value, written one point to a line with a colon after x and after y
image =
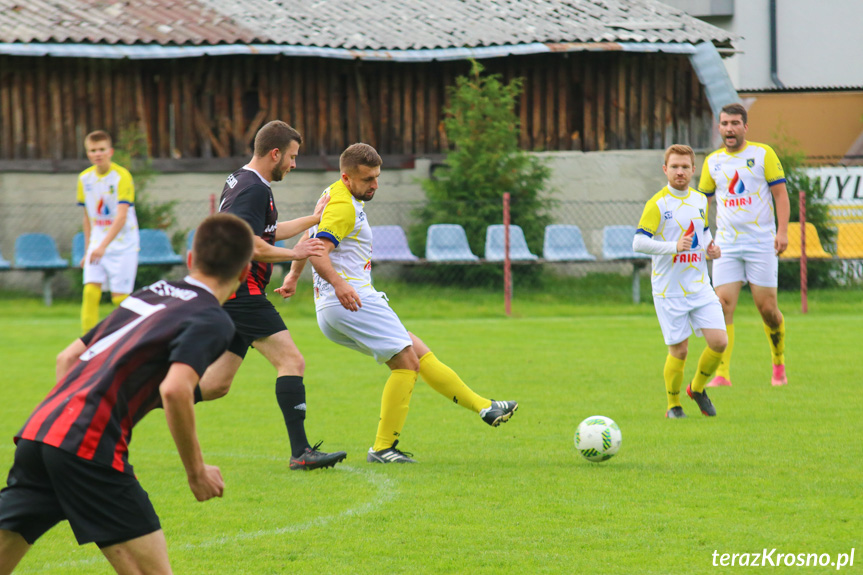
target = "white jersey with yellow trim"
x: 344, y: 223
x: 744, y: 203
x: 666, y: 217
x: 100, y: 196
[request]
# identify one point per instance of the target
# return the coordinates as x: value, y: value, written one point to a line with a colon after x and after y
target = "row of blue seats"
x: 448, y: 243
x: 39, y: 251
x: 444, y: 243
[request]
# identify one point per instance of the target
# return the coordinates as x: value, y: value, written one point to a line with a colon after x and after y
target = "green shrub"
x: 485, y: 162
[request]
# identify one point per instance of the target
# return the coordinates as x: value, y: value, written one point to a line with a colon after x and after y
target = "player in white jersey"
x: 673, y: 229
x: 353, y: 314
x: 107, y: 194
x: 747, y: 179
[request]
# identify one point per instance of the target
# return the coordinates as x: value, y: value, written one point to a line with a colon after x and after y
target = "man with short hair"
x: 747, y: 180
x: 71, y: 460
x: 248, y: 194
x: 673, y: 230
x: 111, y: 243
x: 353, y: 314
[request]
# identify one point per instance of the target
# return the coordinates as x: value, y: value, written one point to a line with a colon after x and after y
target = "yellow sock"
x: 447, y: 382
x: 118, y: 299
x: 394, y: 407
x: 707, y: 364
x: 673, y: 374
x: 776, y: 337
x: 90, y: 307
x: 724, y: 369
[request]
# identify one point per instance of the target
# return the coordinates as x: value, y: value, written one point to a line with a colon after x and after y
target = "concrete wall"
x: 46, y: 202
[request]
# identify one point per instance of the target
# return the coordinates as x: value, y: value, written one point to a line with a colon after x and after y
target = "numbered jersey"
x: 100, y: 196
x: 744, y: 203
x: 115, y: 382
x: 666, y: 217
x: 344, y: 224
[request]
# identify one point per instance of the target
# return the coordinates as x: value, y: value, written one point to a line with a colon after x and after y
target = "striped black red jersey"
x: 248, y: 195
x: 115, y: 381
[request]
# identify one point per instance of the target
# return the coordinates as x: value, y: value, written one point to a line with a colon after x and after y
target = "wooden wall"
x: 211, y: 107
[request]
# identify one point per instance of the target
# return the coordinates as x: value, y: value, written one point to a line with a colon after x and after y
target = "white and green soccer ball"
x: 597, y: 438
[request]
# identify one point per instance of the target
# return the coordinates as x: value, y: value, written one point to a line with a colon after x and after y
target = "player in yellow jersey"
x: 107, y: 194
x: 353, y: 314
x: 673, y: 230
x: 747, y: 179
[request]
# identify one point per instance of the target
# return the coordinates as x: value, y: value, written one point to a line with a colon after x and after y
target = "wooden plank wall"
x: 212, y: 107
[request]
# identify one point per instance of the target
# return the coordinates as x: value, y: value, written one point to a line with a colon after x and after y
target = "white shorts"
x: 751, y: 264
x: 374, y: 329
x: 118, y: 268
x: 679, y: 317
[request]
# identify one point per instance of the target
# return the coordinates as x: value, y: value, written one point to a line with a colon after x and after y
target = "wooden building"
x: 597, y: 75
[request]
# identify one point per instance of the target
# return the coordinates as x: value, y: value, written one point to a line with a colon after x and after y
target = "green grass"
x: 778, y: 468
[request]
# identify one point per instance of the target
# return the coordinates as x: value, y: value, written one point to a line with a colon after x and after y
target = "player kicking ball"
x: 353, y: 314
x: 673, y: 230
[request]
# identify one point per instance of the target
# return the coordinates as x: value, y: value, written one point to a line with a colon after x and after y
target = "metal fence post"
x: 804, y: 279
x: 507, y: 264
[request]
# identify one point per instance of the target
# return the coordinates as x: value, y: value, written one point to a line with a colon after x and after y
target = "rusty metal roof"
x: 351, y: 25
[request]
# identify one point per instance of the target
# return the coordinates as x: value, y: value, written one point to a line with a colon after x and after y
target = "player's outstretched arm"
x: 289, y: 285
x: 67, y: 358
x: 290, y: 228
x: 178, y: 398
x: 266, y: 253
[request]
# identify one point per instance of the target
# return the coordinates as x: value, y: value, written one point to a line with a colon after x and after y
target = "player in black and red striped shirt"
x: 71, y: 460
x: 247, y: 194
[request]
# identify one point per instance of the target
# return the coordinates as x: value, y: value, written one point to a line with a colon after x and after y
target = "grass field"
x: 778, y: 468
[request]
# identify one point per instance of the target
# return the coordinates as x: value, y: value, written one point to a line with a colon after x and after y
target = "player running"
x: 747, y: 180
x: 673, y: 229
x: 71, y: 460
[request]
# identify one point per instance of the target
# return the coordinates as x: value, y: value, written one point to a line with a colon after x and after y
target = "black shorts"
x: 47, y: 485
x: 254, y: 318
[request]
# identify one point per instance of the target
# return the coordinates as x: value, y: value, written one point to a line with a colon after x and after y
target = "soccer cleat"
x: 675, y: 412
x: 498, y: 412
x: 389, y: 455
x: 314, y: 459
x: 704, y: 403
x: 779, y: 377
x: 719, y: 381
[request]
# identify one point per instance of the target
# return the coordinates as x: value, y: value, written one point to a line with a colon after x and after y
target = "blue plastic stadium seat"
x: 564, y: 243
x: 4, y: 263
x: 494, y: 244
x: 78, y: 248
x: 156, y: 249
x: 448, y: 243
x: 617, y: 244
x: 38, y: 252
x: 190, y: 238
x: 390, y: 244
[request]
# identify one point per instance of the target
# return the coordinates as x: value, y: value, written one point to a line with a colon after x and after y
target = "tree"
x: 485, y: 162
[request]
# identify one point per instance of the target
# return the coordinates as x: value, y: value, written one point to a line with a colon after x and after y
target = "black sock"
x: 291, y: 395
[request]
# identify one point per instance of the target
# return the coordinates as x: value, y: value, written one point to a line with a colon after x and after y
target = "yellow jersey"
x: 667, y: 216
x: 741, y: 182
x: 100, y: 196
x: 344, y: 223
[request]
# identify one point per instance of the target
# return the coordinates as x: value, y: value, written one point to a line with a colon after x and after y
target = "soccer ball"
x: 597, y: 438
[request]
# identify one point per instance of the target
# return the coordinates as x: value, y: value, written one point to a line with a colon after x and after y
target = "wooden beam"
x: 408, y: 110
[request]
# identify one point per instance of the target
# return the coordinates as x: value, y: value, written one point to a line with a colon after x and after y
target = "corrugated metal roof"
x: 157, y: 52
x: 346, y: 24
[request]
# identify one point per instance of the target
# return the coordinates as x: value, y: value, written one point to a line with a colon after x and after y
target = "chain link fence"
x: 575, y: 239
